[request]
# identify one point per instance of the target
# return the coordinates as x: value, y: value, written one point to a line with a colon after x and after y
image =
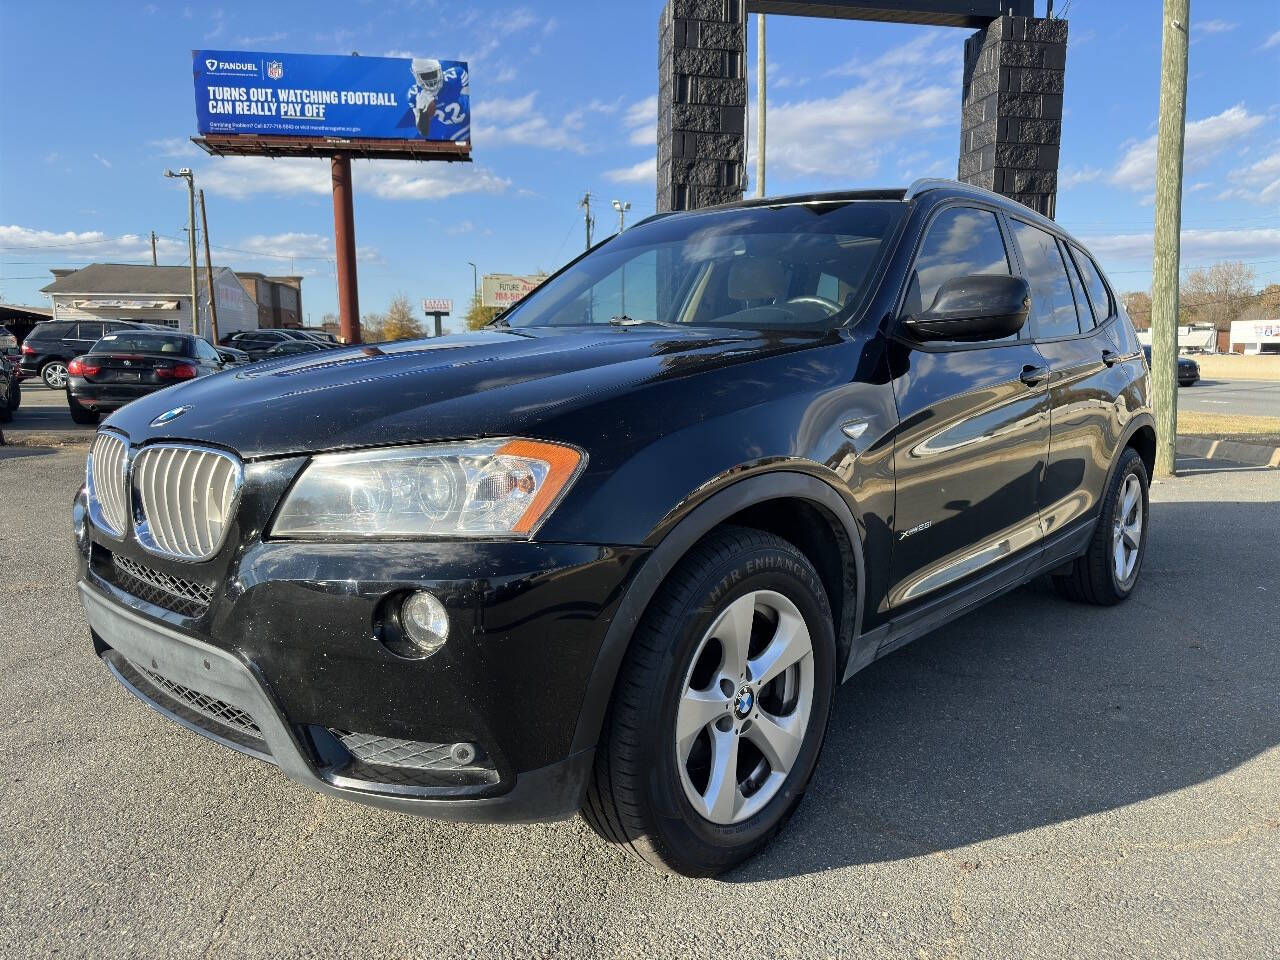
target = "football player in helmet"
x: 422, y: 95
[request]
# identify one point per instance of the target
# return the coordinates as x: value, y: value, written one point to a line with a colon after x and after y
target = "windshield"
x: 801, y: 266
x: 142, y: 343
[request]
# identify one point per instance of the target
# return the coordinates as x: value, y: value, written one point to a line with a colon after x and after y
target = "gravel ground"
x: 1036, y: 780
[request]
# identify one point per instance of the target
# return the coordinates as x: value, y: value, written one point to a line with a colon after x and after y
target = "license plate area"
x: 128, y: 376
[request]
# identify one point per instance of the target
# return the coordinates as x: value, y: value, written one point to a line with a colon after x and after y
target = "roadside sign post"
x: 437, y: 309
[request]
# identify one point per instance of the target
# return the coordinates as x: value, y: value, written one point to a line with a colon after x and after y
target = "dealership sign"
x: 304, y: 95
x: 437, y: 305
x: 504, y: 289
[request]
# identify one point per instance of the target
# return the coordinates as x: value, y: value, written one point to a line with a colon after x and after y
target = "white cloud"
x: 1205, y: 139
x: 241, y: 177
x: 86, y: 245
x: 646, y: 171
x: 262, y: 40
x: 932, y: 49
x: 641, y: 121
x: 1072, y: 178
x: 1272, y: 41
x: 519, y: 120
x: 299, y: 246
x: 848, y: 135
x: 1258, y: 182
x: 1198, y: 246
x: 102, y: 160
x: 175, y: 147
x: 1213, y: 26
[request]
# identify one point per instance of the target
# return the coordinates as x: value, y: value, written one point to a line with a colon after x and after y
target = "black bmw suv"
x: 615, y: 553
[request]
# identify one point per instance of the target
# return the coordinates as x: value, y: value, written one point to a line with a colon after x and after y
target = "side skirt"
x: 1060, y: 549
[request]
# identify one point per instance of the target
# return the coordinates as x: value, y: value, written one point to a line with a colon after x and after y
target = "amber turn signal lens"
x: 562, y: 463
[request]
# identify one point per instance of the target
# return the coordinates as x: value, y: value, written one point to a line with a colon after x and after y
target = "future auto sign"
x: 304, y: 95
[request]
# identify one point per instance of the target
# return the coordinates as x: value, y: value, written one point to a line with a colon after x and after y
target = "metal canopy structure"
x: 940, y: 13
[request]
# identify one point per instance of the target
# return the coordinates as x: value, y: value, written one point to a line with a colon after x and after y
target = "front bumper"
x: 221, y: 696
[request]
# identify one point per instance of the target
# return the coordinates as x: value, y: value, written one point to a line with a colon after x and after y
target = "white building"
x: 1255, y: 336
x: 1192, y: 338
x: 145, y: 294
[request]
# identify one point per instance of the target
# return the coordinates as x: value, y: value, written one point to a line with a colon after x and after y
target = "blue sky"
x: 96, y: 100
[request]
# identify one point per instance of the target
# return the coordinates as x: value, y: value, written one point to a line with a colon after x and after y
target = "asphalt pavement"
x: 1248, y: 398
x: 1039, y: 779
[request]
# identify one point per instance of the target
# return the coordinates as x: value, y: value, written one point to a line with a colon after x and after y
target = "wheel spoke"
x: 789, y: 645
x: 778, y: 739
x: 721, y: 797
x: 734, y: 633
x: 1119, y: 560
x: 1130, y: 538
x: 1130, y: 498
x: 698, y: 709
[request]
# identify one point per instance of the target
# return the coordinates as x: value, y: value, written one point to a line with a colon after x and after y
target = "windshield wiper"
x: 625, y: 321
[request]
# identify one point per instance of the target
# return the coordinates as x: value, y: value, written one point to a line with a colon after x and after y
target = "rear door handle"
x: 1032, y: 375
x: 1110, y: 357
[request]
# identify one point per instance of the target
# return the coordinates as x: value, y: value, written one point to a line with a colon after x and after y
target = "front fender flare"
x: 775, y: 485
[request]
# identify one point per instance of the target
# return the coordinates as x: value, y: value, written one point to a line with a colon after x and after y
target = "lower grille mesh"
x: 390, y: 752
x: 175, y: 593
x: 217, y: 710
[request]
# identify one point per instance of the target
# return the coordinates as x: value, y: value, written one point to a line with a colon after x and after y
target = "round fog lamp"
x: 425, y: 621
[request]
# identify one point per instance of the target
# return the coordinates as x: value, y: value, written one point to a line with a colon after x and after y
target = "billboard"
x: 305, y: 95
x: 504, y: 289
x: 437, y: 305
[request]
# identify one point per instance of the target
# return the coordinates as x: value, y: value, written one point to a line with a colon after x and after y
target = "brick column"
x: 1011, y: 120
x: 702, y: 103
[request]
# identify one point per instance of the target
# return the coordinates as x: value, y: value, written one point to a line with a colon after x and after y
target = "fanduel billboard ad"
x: 304, y: 95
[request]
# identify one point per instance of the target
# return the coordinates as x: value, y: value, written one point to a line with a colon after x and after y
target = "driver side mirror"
x: 973, y: 309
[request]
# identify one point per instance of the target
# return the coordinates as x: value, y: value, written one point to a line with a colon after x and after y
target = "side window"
x: 1053, y: 308
x: 206, y: 352
x: 1077, y: 289
x: 88, y: 331
x: 961, y: 242
x: 1103, y: 308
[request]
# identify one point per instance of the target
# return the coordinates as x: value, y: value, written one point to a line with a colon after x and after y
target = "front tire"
x: 1108, y: 570
x: 720, y: 708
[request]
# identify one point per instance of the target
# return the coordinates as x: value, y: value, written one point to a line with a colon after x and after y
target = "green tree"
x: 400, y: 323
x: 478, y: 315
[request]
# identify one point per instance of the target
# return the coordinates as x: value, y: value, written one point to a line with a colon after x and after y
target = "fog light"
x: 426, y: 624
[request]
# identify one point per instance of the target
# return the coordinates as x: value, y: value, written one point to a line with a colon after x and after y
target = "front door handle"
x: 1110, y: 357
x: 1032, y: 375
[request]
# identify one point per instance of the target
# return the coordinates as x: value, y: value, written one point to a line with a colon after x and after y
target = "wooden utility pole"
x: 153, y: 248
x: 208, y: 273
x: 1168, y: 229
x: 760, y: 70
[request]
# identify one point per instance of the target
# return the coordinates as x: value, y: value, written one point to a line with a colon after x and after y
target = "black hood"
x: 492, y: 383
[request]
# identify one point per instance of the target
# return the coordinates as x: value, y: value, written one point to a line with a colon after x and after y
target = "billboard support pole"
x: 344, y: 241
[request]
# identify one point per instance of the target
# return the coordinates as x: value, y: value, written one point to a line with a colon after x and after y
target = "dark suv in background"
x: 615, y: 552
x: 52, y: 344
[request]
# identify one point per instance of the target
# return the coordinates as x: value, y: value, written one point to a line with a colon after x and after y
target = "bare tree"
x: 1138, y: 305
x: 1217, y: 294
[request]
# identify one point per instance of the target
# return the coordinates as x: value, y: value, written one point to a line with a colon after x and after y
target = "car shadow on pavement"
x: 1033, y: 710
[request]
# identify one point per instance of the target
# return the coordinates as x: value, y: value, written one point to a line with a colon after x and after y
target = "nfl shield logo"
x: 275, y: 69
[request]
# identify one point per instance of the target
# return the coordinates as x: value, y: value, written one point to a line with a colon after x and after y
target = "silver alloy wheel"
x: 759, y: 693
x: 55, y: 375
x: 1126, y: 529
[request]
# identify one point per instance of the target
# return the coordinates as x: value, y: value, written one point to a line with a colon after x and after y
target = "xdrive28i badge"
x: 169, y: 416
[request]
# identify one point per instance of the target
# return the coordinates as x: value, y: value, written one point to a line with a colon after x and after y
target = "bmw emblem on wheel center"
x: 744, y: 704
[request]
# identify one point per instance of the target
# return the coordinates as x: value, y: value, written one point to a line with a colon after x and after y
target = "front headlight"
x: 480, y: 488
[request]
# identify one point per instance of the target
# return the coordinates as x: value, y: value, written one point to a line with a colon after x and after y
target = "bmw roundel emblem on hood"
x: 169, y: 416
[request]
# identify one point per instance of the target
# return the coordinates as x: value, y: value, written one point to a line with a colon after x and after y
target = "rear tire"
x: 688, y: 711
x: 80, y: 413
x: 15, y: 396
x: 1108, y: 570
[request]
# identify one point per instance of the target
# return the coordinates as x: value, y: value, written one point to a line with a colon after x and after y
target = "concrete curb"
x: 49, y: 438
x: 1209, y: 448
